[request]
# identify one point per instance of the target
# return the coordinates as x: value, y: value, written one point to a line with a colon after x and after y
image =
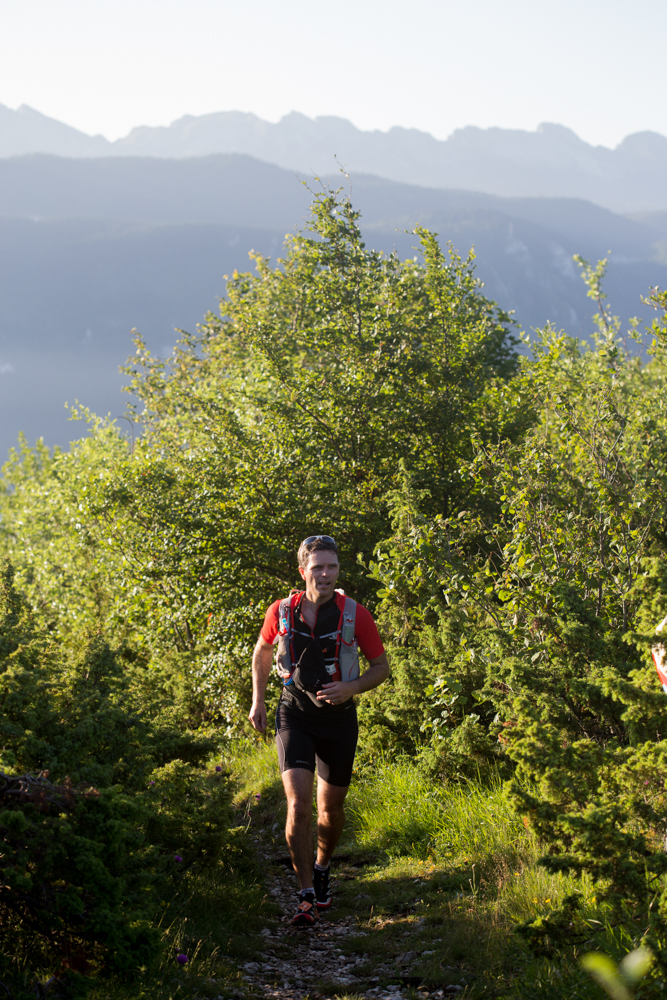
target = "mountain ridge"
x: 236, y: 189
x: 552, y: 161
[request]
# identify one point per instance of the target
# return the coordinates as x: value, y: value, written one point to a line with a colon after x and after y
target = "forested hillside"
x: 503, y: 514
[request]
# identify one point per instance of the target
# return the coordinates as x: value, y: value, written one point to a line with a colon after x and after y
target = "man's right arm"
x: 262, y: 659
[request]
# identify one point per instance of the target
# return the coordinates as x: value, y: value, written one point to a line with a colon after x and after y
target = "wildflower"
x: 177, y: 857
x: 548, y: 900
x: 257, y: 796
x: 151, y: 782
x: 218, y: 767
x: 181, y: 959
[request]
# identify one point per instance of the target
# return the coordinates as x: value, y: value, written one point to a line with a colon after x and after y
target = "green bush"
x: 76, y: 892
x: 538, y: 604
x: 101, y: 791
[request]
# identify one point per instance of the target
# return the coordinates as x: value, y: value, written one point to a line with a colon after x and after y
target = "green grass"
x: 455, y: 872
x: 395, y: 810
x: 254, y: 764
x: 399, y: 810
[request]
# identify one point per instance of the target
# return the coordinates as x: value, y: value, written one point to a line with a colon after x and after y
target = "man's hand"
x: 337, y: 692
x: 258, y: 716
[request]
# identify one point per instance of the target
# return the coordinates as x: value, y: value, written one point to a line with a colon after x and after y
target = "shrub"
x: 74, y: 894
x: 101, y: 789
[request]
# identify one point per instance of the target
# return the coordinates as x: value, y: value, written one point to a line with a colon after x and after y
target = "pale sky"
x: 105, y: 66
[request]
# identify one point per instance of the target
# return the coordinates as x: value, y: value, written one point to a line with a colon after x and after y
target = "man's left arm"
x: 378, y: 671
x: 339, y: 691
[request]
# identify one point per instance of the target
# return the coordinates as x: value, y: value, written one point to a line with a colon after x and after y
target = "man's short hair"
x: 307, y: 548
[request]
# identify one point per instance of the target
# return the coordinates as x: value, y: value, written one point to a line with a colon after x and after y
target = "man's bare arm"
x: 377, y: 672
x: 340, y: 691
x: 262, y: 659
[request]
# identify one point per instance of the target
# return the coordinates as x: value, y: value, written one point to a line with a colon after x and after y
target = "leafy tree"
x: 287, y: 415
x: 290, y: 413
x: 65, y: 568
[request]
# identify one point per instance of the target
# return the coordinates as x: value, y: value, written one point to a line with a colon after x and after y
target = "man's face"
x: 321, y: 573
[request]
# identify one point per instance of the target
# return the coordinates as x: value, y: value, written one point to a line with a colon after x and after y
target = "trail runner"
x: 317, y: 632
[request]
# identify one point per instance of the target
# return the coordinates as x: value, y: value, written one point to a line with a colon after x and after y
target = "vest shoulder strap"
x: 285, y: 614
x: 348, y: 620
x: 286, y: 611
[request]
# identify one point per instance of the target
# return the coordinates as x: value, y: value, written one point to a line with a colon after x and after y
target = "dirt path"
x: 310, y: 962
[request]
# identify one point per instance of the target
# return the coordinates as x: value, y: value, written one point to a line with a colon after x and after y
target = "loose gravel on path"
x: 299, y: 963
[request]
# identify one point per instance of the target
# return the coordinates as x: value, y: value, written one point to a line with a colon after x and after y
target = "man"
x: 317, y: 632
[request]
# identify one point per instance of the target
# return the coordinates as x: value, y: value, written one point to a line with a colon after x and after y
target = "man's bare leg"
x: 298, y: 784
x: 330, y: 819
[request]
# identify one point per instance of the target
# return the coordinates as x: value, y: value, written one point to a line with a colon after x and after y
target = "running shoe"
x: 306, y: 911
x: 323, y: 892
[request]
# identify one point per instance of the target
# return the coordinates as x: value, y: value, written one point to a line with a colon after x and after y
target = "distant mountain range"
x: 550, y: 162
x: 90, y: 248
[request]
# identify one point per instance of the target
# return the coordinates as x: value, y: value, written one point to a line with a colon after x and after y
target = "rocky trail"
x: 329, y: 960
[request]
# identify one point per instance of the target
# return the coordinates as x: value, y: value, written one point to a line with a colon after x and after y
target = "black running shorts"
x: 304, y: 741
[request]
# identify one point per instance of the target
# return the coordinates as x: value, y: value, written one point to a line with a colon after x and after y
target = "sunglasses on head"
x: 315, y: 538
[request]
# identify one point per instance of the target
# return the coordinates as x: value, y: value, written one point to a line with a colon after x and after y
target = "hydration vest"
x: 345, y: 666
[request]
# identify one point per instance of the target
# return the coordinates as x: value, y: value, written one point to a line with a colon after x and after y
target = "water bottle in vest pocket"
x: 284, y: 666
x: 283, y: 658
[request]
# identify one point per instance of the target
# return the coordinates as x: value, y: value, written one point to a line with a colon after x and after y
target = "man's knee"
x: 299, y: 809
x: 331, y: 814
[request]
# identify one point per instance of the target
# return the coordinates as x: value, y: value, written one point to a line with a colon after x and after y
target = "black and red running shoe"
x: 323, y: 892
x: 306, y: 911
